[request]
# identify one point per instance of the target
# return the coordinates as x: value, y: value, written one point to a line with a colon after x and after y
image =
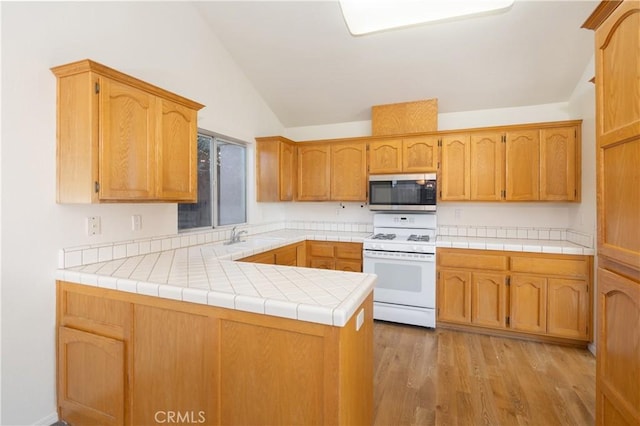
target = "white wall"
x: 552, y: 215
x: 164, y: 43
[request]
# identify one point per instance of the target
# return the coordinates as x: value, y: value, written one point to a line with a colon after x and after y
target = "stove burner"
x: 384, y: 236
x: 414, y: 237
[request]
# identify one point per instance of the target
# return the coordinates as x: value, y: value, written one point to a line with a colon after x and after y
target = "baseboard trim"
x: 48, y: 420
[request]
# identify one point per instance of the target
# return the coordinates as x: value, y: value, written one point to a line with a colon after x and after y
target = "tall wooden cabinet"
x: 121, y: 139
x: 617, y: 50
x: 275, y: 169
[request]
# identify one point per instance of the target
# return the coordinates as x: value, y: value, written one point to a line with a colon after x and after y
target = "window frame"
x: 213, y: 176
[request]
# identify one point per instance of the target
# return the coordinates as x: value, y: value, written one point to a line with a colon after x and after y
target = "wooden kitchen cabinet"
x: 617, y: 55
x: 275, y: 169
x: 314, y: 172
x: 522, y: 165
x: 289, y: 255
x: 455, y: 177
x: 342, y: 256
x: 348, y: 172
x: 412, y: 154
x: 121, y: 139
x: 559, y: 156
x: 130, y: 359
x: 521, y: 293
x: 486, y: 166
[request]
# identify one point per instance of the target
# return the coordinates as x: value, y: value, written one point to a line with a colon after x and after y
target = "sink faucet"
x: 235, y: 236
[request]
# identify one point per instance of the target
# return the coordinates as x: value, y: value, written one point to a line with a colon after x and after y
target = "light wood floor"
x: 443, y: 377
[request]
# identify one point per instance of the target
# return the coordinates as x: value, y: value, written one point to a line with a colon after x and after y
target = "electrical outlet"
x: 136, y: 222
x: 93, y: 225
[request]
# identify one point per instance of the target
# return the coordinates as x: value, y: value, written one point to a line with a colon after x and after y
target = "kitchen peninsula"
x: 188, y: 332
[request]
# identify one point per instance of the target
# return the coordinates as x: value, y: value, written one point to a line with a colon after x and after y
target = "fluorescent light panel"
x: 368, y: 16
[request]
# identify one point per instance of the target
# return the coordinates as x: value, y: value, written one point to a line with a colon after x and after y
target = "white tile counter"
x: 557, y: 241
x: 207, y: 274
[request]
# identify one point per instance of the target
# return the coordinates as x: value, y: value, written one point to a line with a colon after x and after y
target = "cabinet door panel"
x: 286, y: 255
x: 127, y: 142
x: 348, y: 250
x: 618, y: 362
x: 177, y: 152
x: 420, y: 154
x: 348, y: 172
x: 528, y: 299
x: 488, y: 299
x: 348, y: 265
x: 487, y: 166
x: 454, y: 296
x: 322, y: 263
x: 558, y: 164
x: 523, y: 165
x: 173, y: 365
x: 385, y: 156
x: 314, y: 173
x: 455, y: 178
x: 568, y: 308
x: 91, y: 378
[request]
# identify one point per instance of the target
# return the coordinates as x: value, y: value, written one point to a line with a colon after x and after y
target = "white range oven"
x: 402, y: 252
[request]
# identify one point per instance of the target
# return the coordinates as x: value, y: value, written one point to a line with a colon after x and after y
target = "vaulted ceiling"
x: 310, y: 70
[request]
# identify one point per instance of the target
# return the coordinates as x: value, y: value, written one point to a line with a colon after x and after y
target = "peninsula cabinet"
x: 131, y: 359
x: 275, y: 169
x: 121, y: 139
x: 289, y: 255
x: 533, y: 295
x: 617, y: 79
x: 414, y: 154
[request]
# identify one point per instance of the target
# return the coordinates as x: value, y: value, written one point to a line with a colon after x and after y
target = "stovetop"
x: 395, y: 237
x: 403, y: 232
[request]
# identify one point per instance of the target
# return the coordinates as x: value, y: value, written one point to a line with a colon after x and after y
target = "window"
x: 222, y: 189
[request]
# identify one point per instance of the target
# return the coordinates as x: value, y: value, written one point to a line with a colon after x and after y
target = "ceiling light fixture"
x: 368, y: 16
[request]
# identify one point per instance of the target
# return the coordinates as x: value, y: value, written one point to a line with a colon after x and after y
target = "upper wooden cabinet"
x: 121, y: 139
x: 314, y: 172
x: 515, y: 163
x: 275, y: 169
x: 415, y: 154
x: 348, y: 172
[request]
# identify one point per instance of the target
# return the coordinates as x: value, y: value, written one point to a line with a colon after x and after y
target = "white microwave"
x: 403, y: 192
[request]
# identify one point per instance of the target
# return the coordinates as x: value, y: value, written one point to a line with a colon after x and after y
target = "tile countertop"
x: 207, y: 274
x: 514, y: 244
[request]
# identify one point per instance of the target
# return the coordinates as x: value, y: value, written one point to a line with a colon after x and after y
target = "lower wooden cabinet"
x: 289, y: 255
x: 130, y: 359
x: 536, y: 294
x: 341, y: 256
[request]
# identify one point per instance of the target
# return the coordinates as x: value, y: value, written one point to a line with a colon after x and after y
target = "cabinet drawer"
x: 349, y: 251
x: 317, y: 249
x: 473, y: 261
x: 349, y: 265
x: 550, y: 266
x: 107, y: 317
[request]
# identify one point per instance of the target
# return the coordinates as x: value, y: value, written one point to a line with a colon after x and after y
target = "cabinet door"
x: 455, y: 181
x: 385, y: 156
x: 174, y: 362
x: 286, y: 255
x: 287, y: 171
x: 420, y: 154
x: 322, y: 263
x: 454, y: 296
x: 177, y: 172
x: 486, y: 166
x: 91, y: 378
x: 528, y: 303
x: 618, y: 357
x: 488, y: 299
x: 349, y: 172
x: 348, y: 265
x: 558, y: 164
x: 523, y: 165
x: 568, y: 308
x: 314, y: 168
x: 126, y: 143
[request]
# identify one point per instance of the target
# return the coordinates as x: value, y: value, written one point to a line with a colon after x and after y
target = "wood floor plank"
x: 443, y: 377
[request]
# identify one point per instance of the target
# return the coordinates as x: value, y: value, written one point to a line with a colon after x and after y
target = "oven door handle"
x: 404, y: 257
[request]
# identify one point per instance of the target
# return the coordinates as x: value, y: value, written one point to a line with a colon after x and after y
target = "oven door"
x: 403, y: 278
